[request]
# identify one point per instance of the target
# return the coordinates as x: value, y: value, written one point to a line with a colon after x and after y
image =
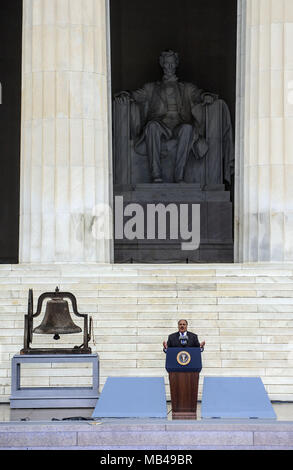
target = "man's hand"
x: 165, y: 345
x: 202, y: 344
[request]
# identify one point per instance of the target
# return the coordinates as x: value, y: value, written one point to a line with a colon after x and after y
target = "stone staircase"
x: 244, y: 312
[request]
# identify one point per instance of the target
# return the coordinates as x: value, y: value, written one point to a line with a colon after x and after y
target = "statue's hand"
x: 208, y: 98
x: 122, y: 98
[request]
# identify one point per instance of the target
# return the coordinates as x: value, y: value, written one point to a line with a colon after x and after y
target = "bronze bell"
x: 57, y: 320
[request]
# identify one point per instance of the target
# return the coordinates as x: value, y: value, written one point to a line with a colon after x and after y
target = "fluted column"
x: 264, y: 152
x: 65, y: 157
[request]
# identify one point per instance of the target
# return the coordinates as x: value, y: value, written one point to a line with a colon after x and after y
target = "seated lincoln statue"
x: 197, y: 122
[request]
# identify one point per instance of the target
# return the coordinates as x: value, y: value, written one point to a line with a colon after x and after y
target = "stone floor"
x: 47, y: 430
x: 283, y: 410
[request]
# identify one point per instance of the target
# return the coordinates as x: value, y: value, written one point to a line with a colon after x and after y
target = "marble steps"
x: 244, y: 312
x: 147, y: 434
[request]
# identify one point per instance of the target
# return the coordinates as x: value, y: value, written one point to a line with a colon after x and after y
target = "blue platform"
x: 132, y: 397
x: 235, y: 397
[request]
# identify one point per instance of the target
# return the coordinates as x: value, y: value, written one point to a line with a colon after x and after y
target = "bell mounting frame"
x: 29, y: 319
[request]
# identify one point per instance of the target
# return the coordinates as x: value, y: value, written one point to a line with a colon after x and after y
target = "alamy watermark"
x: 134, y: 221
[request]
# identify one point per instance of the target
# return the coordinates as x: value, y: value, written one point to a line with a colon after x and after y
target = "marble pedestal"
x: 53, y: 397
x: 216, y: 239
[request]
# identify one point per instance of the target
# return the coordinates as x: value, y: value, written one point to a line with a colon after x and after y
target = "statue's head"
x: 169, y: 61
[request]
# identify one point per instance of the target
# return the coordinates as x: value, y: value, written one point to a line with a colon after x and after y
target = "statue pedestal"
x: 216, y: 232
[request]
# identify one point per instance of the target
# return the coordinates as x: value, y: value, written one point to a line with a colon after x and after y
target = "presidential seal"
x: 183, y: 358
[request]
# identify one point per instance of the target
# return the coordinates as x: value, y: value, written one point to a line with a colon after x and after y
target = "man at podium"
x: 183, y: 363
x: 183, y: 338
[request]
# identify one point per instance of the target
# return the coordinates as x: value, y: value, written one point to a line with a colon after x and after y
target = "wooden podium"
x: 184, y: 366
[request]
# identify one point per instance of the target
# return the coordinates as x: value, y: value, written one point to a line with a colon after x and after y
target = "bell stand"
x: 28, y: 325
x: 53, y: 397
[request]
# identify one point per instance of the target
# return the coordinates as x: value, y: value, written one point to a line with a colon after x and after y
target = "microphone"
x: 183, y: 340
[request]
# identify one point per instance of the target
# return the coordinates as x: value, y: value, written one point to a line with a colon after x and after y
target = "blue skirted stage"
x: 132, y: 397
x: 235, y: 397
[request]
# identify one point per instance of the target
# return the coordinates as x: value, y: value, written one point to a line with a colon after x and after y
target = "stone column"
x: 66, y: 150
x: 264, y: 134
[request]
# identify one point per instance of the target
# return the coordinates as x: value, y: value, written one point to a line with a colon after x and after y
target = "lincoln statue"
x: 169, y: 109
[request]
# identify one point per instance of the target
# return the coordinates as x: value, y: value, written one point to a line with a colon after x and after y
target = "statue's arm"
x: 195, y: 94
x: 139, y: 96
x: 138, y: 102
x: 141, y: 99
x: 197, y: 108
x: 200, y: 96
x: 200, y: 99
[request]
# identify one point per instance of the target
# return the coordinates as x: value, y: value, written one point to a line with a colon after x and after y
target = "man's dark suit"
x: 174, y: 342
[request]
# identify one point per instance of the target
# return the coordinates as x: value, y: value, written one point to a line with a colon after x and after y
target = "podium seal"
x: 183, y: 358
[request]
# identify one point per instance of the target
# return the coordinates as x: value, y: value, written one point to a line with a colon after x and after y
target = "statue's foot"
x: 157, y: 180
